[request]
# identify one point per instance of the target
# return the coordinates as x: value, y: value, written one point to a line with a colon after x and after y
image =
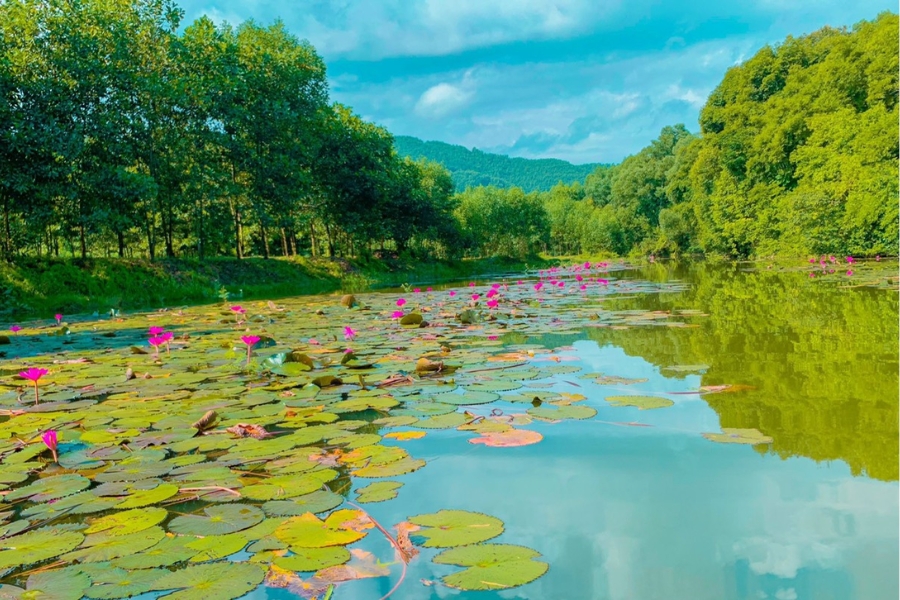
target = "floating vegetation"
x: 203, y: 452
x: 738, y: 436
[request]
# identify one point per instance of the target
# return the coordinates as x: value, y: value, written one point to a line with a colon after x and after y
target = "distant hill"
x: 474, y: 167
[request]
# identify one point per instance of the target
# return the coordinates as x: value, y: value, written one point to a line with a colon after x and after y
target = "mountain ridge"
x: 471, y: 168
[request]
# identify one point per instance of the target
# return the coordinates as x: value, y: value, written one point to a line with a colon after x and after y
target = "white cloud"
x: 442, y: 99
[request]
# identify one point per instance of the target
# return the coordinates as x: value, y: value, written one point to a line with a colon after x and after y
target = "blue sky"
x: 581, y: 80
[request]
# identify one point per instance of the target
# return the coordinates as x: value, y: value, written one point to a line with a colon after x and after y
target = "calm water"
x: 623, y: 512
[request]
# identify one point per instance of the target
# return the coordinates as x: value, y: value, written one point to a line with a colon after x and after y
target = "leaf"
x: 739, y: 436
x: 119, y: 583
x: 313, y: 559
x: 102, y: 546
x: 467, y: 397
x: 51, y: 488
x: 378, y: 492
x: 508, y: 439
x: 281, y: 487
x: 363, y: 566
x: 213, y: 547
x: 167, y: 552
x: 35, y: 546
x: 218, y: 520
x: 552, y: 412
x: 641, y: 402
x: 216, y: 581
x: 308, y: 531
x: 248, y: 430
x: 130, y: 521
x: 316, y: 502
x: 449, y: 528
x: 60, y: 584
x: 491, y: 566
x: 151, y: 496
x: 206, y: 421
x: 403, y: 436
x: 393, y: 469
x: 447, y: 421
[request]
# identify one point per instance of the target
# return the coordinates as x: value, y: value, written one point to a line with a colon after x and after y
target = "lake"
x: 768, y: 469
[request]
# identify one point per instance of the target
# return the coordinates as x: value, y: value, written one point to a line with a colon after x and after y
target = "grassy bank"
x: 32, y: 288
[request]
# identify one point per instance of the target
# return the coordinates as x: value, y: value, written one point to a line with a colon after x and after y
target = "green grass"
x: 39, y: 288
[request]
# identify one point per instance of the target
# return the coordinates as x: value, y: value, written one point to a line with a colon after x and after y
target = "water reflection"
x: 823, y: 359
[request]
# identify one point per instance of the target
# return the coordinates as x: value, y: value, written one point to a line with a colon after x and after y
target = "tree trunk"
x: 313, y: 243
x: 121, y: 238
x: 83, y: 240
x: 284, y: 245
x: 238, y: 235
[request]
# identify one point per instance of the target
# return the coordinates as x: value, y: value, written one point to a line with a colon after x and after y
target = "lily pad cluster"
x: 227, y: 458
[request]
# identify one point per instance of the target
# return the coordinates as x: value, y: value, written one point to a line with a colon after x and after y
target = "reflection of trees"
x: 823, y: 360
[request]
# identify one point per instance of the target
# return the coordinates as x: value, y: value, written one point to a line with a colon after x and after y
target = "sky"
x: 585, y: 81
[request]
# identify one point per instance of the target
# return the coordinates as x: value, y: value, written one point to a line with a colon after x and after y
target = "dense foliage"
x: 797, y: 155
x: 473, y: 168
x: 122, y: 133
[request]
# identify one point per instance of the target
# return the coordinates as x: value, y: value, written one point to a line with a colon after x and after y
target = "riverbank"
x: 39, y: 288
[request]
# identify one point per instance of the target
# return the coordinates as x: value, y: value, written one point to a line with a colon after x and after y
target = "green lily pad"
x: 102, y: 546
x: 60, y: 584
x: 308, y: 531
x: 551, y: 411
x: 51, y: 488
x: 447, y: 421
x: 641, y: 402
x: 281, y: 487
x: 218, y: 520
x: 37, y: 545
x: 316, y: 502
x: 497, y: 385
x: 739, y: 436
x: 216, y: 581
x: 449, y: 528
x: 167, y: 552
x: 491, y: 566
x: 313, y: 559
x: 213, y: 547
x: 130, y: 521
x: 392, y: 469
x: 148, y: 497
x: 378, y: 491
x: 467, y: 397
x: 119, y: 583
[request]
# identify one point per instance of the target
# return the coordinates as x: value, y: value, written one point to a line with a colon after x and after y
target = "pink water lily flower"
x: 156, y: 330
x: 50, y: 440
x: 491, y: 293
x: 58, y: 318
x: 587, y: 265
x: 349, y: 333
x: 33, y: 375
x: 492, y: 303
x: 603, y: 282
x: 877, y: 258
x: 156, y: 342
x: 493, y: 338
x: 237, y: 308
x: 452, y: 293
x: 561, y: 284
x: 401, y: 302
x: 471, y: 284
x: 538, y: 286
x: 812, y: 261
x: 583, y: 287
x: 475, y: 297
x: 15, y: 329
x: 850, y: 260
x: 495, y: 286
x: 850, y: 273
x: 250, y: 341
x: 429, y: 289
x: 519, y: 282
x: 811, y: 274
x: 417, y: 290
x: 397, y: 314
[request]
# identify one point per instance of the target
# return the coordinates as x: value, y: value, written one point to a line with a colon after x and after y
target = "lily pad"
x: 102, y: 546
x: 491, y: 566
x: 739, y: 436
x: 37, y: 545
x: 378, y: 492
x: 393, y: 469
x: 148, y: 497
x: 51, y: 488
x: 218, y: 520
x: 130, y: 521
x: 119, y: 583
x: 467, y: 397
x: 313, y: 559
x: 60, y: 584
x: 216, y: 581
x: 309, y: 531
x: 553, y: 412
x: 450, y: 528
x: 641, y: 402
x: 316, y: 502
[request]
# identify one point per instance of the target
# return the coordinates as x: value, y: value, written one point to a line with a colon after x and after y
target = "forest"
x: 125, y: 133
x: 475, y: 168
